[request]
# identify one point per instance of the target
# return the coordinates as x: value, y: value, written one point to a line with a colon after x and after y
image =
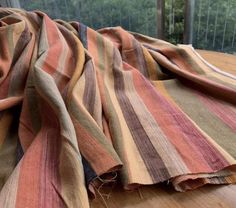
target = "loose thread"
x: 140, y: 193
x: 103, y: 200
x: 104, y: 182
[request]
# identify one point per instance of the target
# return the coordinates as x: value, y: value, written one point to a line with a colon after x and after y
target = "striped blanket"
x: 79, y: 107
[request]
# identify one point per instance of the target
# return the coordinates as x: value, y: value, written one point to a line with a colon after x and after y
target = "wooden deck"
x: 210, y: 196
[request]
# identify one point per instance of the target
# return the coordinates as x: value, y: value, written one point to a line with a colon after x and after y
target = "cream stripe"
x: 136, y: 168
x: 137, y: 172
x: 208, y: 68
x: 8, y: 193
x: 165, y: 149
x: 97, y: 110
x: 212, y: 66
x: 228, y: 157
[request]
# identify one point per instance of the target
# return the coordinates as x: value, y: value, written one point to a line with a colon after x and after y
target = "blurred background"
x: 213, y: 24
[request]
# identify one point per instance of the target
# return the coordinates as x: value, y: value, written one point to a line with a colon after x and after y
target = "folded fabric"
x: 79, y: 105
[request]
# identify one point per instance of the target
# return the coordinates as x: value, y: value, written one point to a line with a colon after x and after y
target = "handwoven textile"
x: 78, y: 106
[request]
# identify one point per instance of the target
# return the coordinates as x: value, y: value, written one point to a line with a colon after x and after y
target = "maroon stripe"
x: 50, y: 160
x: 193, y: 136
x: 150, y: 156
x: 21, y: 63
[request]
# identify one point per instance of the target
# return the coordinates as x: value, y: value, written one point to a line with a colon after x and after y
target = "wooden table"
x: 210, y: 196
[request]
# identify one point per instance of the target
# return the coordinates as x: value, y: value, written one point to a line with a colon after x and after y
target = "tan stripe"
x: 165, y: 149
x: 73, y: 191
x: 137, y: 172
x: 17, y: 30
x: 46, y: 86
x: 151, y: 65
x: 206, y: 68
x: 8, y: 193
x: 97, y: 110
x: 78, y: 68
x: 205, y: 120
x: 78, y: 90
x: 226, y: 155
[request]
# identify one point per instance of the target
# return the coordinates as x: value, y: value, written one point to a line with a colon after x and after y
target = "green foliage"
x: 135, y: 15
x: 214, y: 24
x: 174, y: 20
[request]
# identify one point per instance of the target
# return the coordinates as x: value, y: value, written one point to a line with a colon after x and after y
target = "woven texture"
x: 78, y: 105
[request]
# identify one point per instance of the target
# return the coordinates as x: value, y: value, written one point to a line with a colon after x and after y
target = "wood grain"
x: 160, y: 196
x: 226, y: 62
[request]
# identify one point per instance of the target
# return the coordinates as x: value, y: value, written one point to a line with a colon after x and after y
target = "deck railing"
x: 207, y: 24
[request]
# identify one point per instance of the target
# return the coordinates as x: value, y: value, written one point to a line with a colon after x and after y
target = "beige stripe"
x: 137, y: 172
x: 73, y: 191
x: 97, y: 104
x: 227, y: 156
x: 46, y: 86
x: 17, y: 30
x: 78, y: 68
x: 189, y: 50
x: 165, y: 149
x: 43, y: 40
x: 8, y: 193
x: 151, y: 65
x: 78, y: 90
x: 77, y: 96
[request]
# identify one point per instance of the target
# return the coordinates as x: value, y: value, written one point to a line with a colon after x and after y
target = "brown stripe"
x: 21, y: 63
x: 140, y: 58
x: 90, y: 88
x: 151, y: 158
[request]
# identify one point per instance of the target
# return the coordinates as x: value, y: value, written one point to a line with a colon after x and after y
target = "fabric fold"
x: 94, y: 104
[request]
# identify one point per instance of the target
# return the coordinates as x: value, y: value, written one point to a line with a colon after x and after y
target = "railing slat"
x: 199, y: 19
x: 160, y: 18
x: 225, y: 25
x: 233, y: 39
x: 188, y: 21
x: 215, y: 26
x: 208, y: 16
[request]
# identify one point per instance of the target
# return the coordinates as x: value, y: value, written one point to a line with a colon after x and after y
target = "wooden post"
x: 160, y: 19
x: 189, y: 21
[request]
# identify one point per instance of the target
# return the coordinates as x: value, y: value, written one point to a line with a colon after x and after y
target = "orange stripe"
x: 55, y: 47
x: 28, y: 192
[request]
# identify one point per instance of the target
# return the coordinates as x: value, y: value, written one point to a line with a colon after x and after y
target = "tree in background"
x: 214, y: 24
x: 135, y: 15
x: 174, y: 20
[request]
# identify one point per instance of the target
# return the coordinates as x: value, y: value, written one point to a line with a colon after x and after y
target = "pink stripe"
x: 192, y: 135
x: 221, y: 110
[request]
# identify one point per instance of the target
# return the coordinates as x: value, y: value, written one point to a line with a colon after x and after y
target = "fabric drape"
x: 78, y: 106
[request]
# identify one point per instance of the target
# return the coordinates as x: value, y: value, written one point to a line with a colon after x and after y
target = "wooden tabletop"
x: 226, y: 62
x: 158, y: 196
